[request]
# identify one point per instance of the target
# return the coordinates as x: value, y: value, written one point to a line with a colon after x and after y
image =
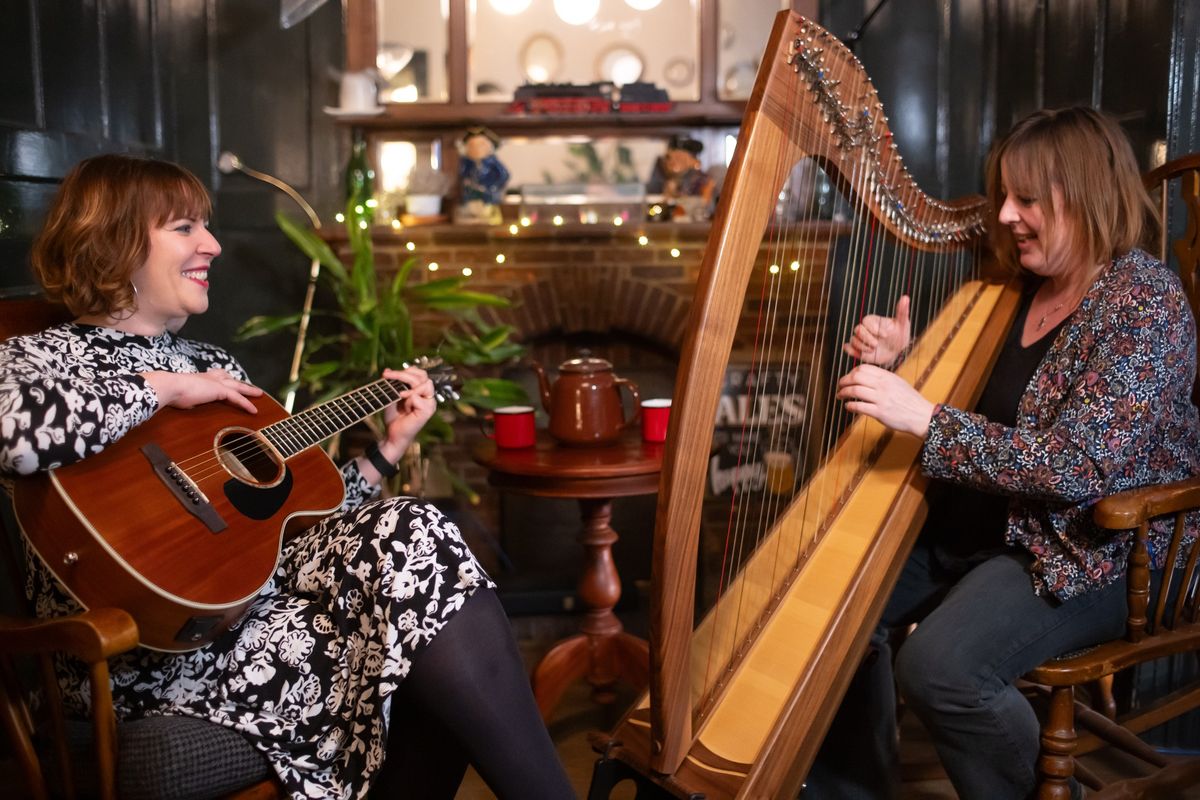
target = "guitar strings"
x: 297, y: 432
x: 275, y: 435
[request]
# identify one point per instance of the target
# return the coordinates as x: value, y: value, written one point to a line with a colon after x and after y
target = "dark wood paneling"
x: 1072, y: 41
x: 999, y: 60
x: 964, y: 109
x: 1018, y: 55
x: 72, y: 70
x: 188, y: 122
x: 132, y: 82
x: 263, y: 95
x: 1137, y: 59
x: 1183, y: 89
x: 21, y: 204
x: 19, y: 100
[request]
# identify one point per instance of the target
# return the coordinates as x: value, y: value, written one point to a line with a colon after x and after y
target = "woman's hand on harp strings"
x: 881, y: 340
x: 886, y: 397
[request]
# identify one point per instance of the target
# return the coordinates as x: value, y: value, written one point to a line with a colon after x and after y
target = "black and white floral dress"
x: 307, y: 674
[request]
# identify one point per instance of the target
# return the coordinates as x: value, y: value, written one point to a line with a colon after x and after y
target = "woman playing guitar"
x: 376, y: 614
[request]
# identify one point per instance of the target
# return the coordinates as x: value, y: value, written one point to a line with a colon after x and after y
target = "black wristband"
x: 386, y: 468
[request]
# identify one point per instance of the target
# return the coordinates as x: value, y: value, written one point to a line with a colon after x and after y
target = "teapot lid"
x: 585, y: 365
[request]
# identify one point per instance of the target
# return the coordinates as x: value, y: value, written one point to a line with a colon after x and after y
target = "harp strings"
x: 813, y: 288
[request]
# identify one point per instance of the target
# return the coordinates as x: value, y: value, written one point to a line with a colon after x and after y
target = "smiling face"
x: 172, y: 284
x: 1043, y: 234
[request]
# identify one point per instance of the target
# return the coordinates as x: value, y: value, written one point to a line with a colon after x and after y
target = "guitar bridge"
x: 184, y: 490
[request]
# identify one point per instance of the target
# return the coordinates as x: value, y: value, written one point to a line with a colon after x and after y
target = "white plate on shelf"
x: 355, y: 112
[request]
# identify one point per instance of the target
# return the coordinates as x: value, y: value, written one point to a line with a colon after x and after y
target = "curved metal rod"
x: 227, y: 163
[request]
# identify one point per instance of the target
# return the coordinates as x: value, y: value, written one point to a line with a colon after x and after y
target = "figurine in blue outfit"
x: 481, y: 177
x: 687, y: 190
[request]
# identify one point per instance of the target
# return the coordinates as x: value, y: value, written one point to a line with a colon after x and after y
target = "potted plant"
x: 372, y: 327
x: 426, y: 187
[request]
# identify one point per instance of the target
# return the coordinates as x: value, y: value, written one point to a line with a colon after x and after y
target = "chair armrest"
x: 1130, y: 509
x: 91, y: 636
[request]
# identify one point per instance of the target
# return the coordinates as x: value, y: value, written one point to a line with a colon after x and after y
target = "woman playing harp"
x: 1090, y: 395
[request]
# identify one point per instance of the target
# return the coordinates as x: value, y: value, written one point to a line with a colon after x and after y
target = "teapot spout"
x: 543, y: 383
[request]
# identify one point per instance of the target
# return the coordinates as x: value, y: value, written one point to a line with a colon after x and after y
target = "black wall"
x: 955, y: 74
x: 182, y: 80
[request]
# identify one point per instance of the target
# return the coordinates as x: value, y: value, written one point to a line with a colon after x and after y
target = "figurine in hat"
x: 678, y: 177
x: 481, y: 177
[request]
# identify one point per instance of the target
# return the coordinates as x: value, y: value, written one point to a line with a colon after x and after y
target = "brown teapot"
x: 585, y: 401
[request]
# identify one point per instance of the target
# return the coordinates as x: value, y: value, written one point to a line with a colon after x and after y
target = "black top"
x: 988, y: 513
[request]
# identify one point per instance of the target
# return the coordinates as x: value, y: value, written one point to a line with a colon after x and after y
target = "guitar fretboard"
x: 290, y: 436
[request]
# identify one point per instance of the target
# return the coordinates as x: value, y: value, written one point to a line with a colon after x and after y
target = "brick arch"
x: 571, y: 301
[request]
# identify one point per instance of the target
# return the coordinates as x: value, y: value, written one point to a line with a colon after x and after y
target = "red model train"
x: 589, y: 98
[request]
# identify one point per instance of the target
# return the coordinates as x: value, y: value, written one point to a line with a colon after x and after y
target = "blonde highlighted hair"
x: 97, y: 231
x: 1087, y: 157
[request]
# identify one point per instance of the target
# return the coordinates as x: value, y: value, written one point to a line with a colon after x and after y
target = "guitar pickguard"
x: 259, y: 502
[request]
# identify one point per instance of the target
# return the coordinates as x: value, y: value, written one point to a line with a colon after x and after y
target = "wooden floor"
x: 577, y: 715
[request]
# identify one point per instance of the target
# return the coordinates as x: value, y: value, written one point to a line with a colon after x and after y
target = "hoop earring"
x: 129, y: 312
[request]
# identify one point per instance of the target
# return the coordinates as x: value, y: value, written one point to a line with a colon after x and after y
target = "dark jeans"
x: 979, y: 631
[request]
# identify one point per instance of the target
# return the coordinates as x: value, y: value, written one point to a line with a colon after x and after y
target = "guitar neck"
x: 299, y: 431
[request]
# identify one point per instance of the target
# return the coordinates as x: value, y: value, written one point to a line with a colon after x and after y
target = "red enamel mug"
x: 512, y: 427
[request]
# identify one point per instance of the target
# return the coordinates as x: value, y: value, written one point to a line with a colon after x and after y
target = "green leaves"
x: 492, y: 393
x: 369, y: 326
x: 311, y: 244
x: 482, y: 345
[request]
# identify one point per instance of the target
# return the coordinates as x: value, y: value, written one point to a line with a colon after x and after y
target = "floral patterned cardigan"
x: 1109, y: 408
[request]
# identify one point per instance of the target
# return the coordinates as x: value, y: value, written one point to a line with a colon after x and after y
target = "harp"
x: 739, y: 702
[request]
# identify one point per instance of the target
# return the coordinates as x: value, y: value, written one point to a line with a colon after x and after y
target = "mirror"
x: 739, y: 79
x: 411, y: 51
x: 679, y: 71
x: 620, y: 64
x: 541, y: 58
x: 517, y: 41
x: 743, y: 29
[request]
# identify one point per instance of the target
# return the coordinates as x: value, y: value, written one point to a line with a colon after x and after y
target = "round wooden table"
x: 602, y: 652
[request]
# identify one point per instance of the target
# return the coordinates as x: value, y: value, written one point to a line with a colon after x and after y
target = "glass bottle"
x: 360, y: 179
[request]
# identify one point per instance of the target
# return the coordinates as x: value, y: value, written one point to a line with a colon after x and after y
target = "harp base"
x: 609, y: 772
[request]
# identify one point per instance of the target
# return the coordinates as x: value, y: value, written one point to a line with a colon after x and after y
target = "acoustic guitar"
x: 182, y: 520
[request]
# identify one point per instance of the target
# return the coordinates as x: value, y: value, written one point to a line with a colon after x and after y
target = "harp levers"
x: 739, y: 702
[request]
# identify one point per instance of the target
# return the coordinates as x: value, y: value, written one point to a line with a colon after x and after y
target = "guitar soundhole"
x: 247, y: 457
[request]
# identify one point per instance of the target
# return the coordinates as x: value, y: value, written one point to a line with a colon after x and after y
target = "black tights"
x: 466, y: 700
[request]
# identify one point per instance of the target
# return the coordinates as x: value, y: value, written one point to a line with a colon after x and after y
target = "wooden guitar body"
x: 117, y: 533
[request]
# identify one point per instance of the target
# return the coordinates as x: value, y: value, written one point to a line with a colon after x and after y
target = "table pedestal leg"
x: 602, y: 652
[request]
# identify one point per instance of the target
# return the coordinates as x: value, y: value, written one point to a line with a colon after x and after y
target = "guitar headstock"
x: 445, y: 381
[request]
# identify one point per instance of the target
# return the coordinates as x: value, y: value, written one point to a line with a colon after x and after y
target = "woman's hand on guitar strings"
x: 886, y: 397
x: 881, y: 340
x: 191, y: 389
x: 408, y: 415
